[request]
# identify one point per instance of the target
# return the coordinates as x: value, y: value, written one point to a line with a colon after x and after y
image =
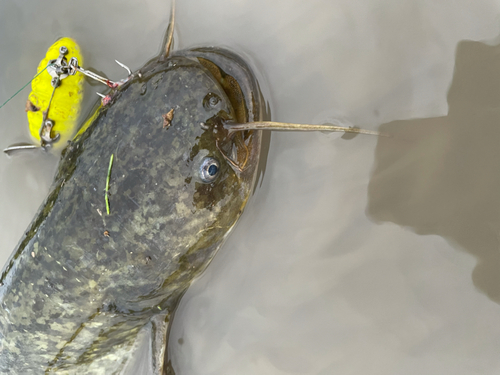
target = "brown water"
x: 361, y: 256
x: 443, y: 177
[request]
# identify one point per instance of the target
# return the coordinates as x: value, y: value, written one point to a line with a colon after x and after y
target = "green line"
x: 22, y: 88
x: 107, y: 183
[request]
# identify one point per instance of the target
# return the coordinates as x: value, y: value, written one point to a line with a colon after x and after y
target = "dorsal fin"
x: 169, y: 38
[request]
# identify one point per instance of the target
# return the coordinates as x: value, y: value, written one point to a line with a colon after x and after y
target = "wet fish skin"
x: 81, y: 284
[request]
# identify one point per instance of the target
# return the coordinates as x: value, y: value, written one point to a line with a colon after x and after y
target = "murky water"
x: 358, y: 256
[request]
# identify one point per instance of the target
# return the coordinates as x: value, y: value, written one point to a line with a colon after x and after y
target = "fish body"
x: 82, y: 283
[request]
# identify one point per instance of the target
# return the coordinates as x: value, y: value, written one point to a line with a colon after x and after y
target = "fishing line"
x: 22, y: 88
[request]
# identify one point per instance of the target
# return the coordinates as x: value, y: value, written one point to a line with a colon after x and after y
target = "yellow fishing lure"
x: 54, y: 104
x: 64, y: 108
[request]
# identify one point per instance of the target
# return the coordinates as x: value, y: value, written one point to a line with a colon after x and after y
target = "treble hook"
x: 74, y: 67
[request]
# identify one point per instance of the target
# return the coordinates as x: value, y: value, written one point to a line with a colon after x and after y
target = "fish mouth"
x: 241, y: 150
x: 244, y: 140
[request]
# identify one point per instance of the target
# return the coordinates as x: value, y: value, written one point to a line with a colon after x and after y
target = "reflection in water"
x: 443, y: 175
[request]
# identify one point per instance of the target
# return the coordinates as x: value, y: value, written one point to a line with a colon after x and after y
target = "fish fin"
x: 169, y: 39
x: 159, y: 337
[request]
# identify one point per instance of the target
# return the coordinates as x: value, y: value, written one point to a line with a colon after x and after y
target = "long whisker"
x: 247, y: 152
x: 285, y: 126
x: 228, y: 159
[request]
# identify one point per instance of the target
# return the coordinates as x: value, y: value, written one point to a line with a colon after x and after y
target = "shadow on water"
x: 442, y: 175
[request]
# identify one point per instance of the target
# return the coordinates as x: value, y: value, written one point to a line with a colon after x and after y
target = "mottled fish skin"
x: 82, y: 283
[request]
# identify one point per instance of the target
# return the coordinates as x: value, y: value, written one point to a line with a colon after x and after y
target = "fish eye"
x: 209, y: 170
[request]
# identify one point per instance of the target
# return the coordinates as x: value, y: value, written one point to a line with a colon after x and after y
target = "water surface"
x: 354, y: 256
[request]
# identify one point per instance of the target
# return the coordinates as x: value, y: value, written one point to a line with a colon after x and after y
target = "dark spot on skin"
x: 156, y: 80
x: 38, y: 305
x: 109, y: 307
x: 51, y: 285
x: 194, y: 151
x: 55, y: 316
